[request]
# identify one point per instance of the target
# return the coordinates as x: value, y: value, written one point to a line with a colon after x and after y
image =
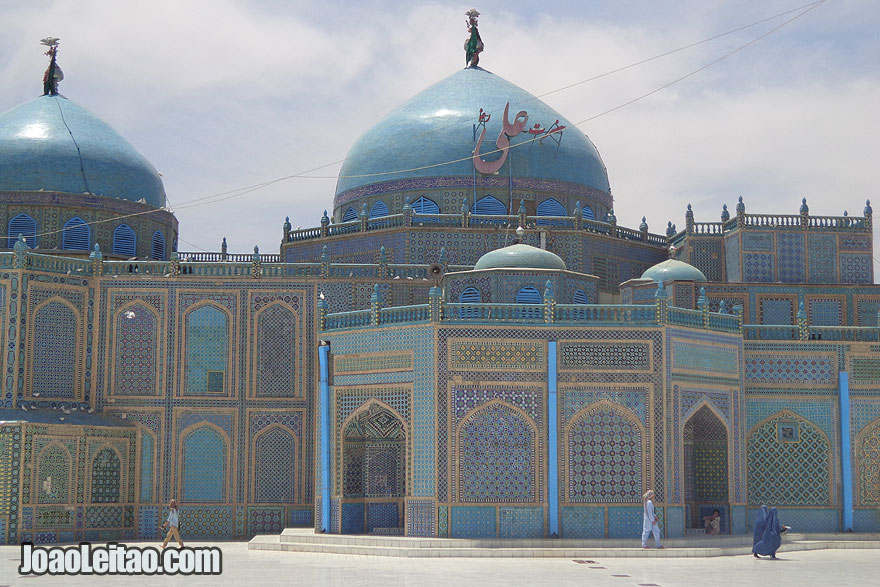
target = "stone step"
x: 421, y: 547
x: 402, y: 549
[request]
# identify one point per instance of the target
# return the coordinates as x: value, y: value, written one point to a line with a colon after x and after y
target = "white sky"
x: 222, y: 94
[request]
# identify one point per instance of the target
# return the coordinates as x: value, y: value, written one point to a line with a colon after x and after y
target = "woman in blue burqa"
x: 768, y: 533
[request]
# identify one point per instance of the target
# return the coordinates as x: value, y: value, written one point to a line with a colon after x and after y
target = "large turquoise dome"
x: 673, y: 270
x: 520, y: 256
x: 437, y: 125
x: 52, y: 144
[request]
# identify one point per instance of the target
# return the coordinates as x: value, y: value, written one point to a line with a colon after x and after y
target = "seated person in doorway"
x: 712, y: 523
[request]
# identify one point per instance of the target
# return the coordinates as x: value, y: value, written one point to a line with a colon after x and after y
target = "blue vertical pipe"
x: 323, y: 358
x: 552, y: 440
x: 845, y: 450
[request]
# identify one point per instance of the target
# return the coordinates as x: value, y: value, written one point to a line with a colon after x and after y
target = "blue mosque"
x: 467, y: 344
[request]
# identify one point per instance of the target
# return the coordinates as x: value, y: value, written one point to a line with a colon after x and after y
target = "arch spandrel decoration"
x: 497, y: 460
x: 605, y: 455
x: 789, y: 462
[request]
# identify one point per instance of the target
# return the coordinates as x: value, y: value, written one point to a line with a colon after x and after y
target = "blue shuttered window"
x: 489, y: 206
x: 529, y: 295
x: 425, y: 206
x: 124, y: 241
x: 587, y: 212
x: 580, y: 297
x: 350, y: 215
x: 379, y: 209
x: 551, y: 207
x: 22, y: 225
x: 157, y: 250
x: 469, y: 296
x: 76, y: 236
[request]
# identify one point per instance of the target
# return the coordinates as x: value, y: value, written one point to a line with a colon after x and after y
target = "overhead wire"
x: 238, y: 192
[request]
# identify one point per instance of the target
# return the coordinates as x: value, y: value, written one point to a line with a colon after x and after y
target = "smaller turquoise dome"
x: 520, y: 256
x: 673, y: 270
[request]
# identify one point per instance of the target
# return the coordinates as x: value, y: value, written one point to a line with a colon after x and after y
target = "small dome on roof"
x: 520, y: 256
x: 673, y: 270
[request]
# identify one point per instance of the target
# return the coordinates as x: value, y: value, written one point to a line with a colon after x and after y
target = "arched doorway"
x: 373, y: 472
x: 706, y: 469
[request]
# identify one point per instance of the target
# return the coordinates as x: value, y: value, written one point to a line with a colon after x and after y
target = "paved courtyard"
x: 243, y: 567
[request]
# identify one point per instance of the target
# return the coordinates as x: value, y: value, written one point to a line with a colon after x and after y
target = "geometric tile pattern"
x: 494, y: 355
x: 265, y: 520
x: 855, y: 268
x: 276, y: 357
x: 519, y: 522
x: 605, y: 356
x: 582, y: 522
x: 204, y: 466
x: 472, y: 522
x: 136, y: 357
x: 822, y: 258
x: 758, y: 267
x: 420, y: 518
x: 497, y: 456
x: 467, y: 398
x: 105, y: 477
x: 275, y: 467
x: 53, y: 475
x: 701, y: 357
x: 769, y: 368
x: 777, y: 312
x: 788, y: 473
x: 790, y: 257
x: 868, y: 466
x: 604, y: 457
x: 55, y: 351
x: 825, y: 312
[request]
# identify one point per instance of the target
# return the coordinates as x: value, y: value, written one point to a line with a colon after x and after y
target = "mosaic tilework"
x: 780, y: 368
x: 855, y: 268
x: 136, y: 354
x: 206, y: 348
x: 54, y: 518
x: 777, y: 311
x: 822, y: 252
x: 606, y: 356
x: 472, y: 522
x: 733, y: 271
x: 382, y: 515
x: 103, y: 517
x: 300, y: 518
x: 443, y: 521
x: 582, y: 522
x: 275, y: 467
x: 758, y: 268
x: 106, y: 477
x: 148, y: 522
x: 804, y: 520
x: 497, y: 355
x: 204, y: 521
x: 497, y: 456
x: 604, y: 457
x: 467, y: 397
x: 867, y: 312
x: 757, y: 241
x: 352, y: 518
x: 204, y: 466
x: 706, y: 256
x: 276, y: 352
x: 381, y: 362
x: 788, y: 473
x: 868, y: 466
x: 790, y: 255
x: 10, y: 441
x: 864, y: 520
x: 147, y: 481
x: 700, y: 357
x: 826, y: 312
x: 54, y: 475
x: 520, y: 522
x: 626, y: 522
x: 55, y: 351
x: 265, y: 520
x: 674, y: 518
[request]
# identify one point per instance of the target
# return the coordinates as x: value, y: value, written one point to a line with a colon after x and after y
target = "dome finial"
x: 53, y: 73
x: 474, y: 44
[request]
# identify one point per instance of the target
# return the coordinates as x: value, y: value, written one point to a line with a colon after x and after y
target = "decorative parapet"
x: 21, y: 252
x: 97, y: 260
x: 660, y: 302
x: 802, y: 324
x: 435, y: 304
x: 323, y: 306
x: 703, y: 306
x: 375, y: 305
x: 383, y: 264
x: 549, y: 302
x: 256, y: 263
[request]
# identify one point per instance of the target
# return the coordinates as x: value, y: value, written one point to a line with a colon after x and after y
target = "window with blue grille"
x: 379, y: 209
x: 587, y: 212
x: 76, y: 236
x: 489, y: 206
x: 470, y: 295
x: 425, y: 206
x: 551, y: 207
x: 22, y: 225
x: 580, y: 297
x: 529, y: 295
x: 124, y: 241
x: 350, y: 215
x: 157, y: 250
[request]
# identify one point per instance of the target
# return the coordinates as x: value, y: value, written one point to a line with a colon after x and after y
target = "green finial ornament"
x: 474, y: 44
